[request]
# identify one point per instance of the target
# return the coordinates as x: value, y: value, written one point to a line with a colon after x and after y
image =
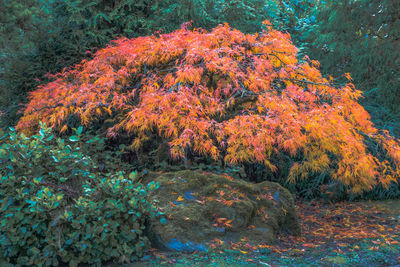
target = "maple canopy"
x: 226, y: 95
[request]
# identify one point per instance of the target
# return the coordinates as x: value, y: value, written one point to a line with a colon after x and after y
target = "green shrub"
x: 54, y: 208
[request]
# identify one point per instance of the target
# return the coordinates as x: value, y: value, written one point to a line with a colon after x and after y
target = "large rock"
x: 202, y: 206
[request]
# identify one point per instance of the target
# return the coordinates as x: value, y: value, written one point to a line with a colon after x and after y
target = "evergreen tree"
x: 23, y: 24
x: 363, y: 37
x: 297, y: 17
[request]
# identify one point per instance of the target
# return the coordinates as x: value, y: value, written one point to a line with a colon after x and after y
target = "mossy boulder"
x: 202, y: 206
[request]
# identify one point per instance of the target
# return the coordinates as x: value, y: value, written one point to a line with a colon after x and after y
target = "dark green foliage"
x: 23, y: 25
x: 362, y: 38
x: 297, y: 17
x: 55, y: 208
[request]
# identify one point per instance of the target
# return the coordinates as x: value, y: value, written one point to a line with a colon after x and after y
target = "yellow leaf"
x: 64, y: 128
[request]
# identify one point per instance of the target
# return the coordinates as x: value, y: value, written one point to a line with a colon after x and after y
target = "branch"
x: 66, y: 189
x: 308, y: 82
x: 45, y: 107
x: 175, y: 85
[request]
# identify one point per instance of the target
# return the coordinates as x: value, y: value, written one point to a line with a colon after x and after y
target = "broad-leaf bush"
x: 54, y: 208
x: 233, y: 97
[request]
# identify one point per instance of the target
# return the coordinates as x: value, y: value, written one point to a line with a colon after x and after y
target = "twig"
x: 175, y: 85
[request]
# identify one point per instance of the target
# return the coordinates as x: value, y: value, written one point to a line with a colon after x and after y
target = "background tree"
x: 297, y: 17
x: 363, y: 37
x: 23, y: 25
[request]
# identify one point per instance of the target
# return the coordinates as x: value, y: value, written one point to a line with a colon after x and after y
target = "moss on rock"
x: 203, y: 206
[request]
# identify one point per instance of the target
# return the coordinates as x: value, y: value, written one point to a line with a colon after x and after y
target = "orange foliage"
x: 222, y: 93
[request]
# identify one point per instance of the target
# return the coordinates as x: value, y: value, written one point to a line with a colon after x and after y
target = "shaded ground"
x: 358, y: 233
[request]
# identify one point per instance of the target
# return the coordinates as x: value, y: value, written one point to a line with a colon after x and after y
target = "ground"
x: 340, y: 234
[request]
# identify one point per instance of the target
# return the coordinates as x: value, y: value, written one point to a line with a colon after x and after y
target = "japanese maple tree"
x: 226, y: 95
